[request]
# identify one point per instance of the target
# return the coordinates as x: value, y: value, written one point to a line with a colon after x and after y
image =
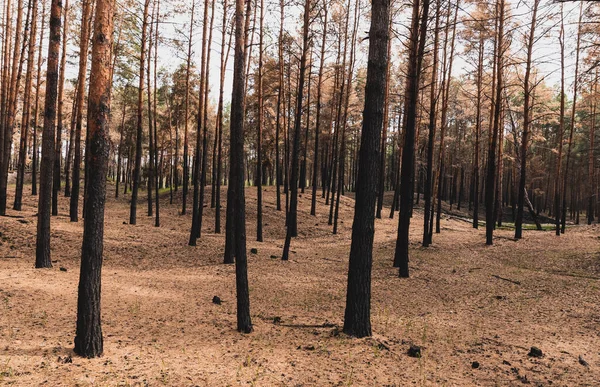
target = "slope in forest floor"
x: 465, y: 302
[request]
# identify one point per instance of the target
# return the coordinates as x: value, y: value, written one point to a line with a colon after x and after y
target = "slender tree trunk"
x: 235, y: 191
x: 491, y: 167
x: 313, y: 204
x: 572, y: 126
x: 157, y: 165
x: 59, y: 125
x: 139, y: 128
x: 477, y: 157
x: 26, y: 116
x: 432, y: 124
x: 561, y: 127
x: 13, y: 92
x: 205, y: 126
x: 591, y: 167
x: 195, y: 229
x: 34, y: 161
x: 224, y: 58
x: 416, y: 49
x: 186, y: 167
x: 42, y: 256
x: 259, y: 86
x: 292, y: 216
x: 83, y: 48
x: 526, y: 124
x: 151, y: 141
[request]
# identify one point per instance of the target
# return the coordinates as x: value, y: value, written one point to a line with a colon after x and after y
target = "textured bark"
x: 235, y: 191
x: 59, y: 123
x: 186, y: 167
x: 433, y: 97
x: 313, y: 203
x: 259, y: 86
x: 490, y: 180
x: 88, y: 336
x: 205, y: 138
x: 416, y: 49
x: 219, y: 125
x: 526, y: 124
x: 11, y: 109
x: 42, y: 253
x: 358, y: 297
x: 139, y: 130
x: 561, y: 125
x: 572, y: 126
x: 26, y: 116
x: 34, y: 160
x: 292, y: 215
x: 83, y: 48
x: 195, y: 229
x: 476, y: 157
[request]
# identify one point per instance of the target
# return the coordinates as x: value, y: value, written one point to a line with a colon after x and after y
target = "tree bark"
x: 42, y: 256
x: 88, y: 336
x: 358, y: 296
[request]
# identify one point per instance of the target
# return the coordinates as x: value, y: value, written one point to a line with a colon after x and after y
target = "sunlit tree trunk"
x: 88, y: 336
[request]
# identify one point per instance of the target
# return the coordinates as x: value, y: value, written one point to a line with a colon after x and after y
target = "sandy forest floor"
x: 161, y: 327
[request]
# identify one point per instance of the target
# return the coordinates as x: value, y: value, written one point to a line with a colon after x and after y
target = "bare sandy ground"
x: 161, y: 328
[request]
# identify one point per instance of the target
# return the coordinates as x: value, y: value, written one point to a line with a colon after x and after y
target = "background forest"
x: 254, y: 129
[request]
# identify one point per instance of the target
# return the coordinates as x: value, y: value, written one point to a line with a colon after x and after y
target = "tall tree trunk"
x: 572, y: 126
x: 88, y: 336
x: 38, y: 78
x: 433, y: 96
x: 561, y: 126
x: 491, y: 167
x: 59, y: 123
x: 26, y: 116
x: 10, y: 118
x: 477, y: 157
x: 386, y: 105
x: 235, y: 191
x: 195, y: 229
x: 83, y: 49
x: 292, y: 215
x: 313, y: 204
x: 259, y: 86
x: 186, y: 167
x: 42, y: 256
x: 157, y: 165
x: 357, y: 316
x: 151, y: 141
x: 205, y: 126
x: 415, y: 60
x: 139, y: 129
x: 219, y: 125
x: 591, y: 168
x: 526, y: 124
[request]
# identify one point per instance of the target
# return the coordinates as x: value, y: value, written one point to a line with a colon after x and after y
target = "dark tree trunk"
x: 83, y: 48
x: 490, y: 181
x: 25, y: 121
x: 139, y: 128
x: 88, y: 337
x: 526, y: 123
x: 235, y: 192
x: 292, y: 215
x: 417, y: 47
x: 42, y: 256
x: 59, y: 126
x: 357, y: 316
